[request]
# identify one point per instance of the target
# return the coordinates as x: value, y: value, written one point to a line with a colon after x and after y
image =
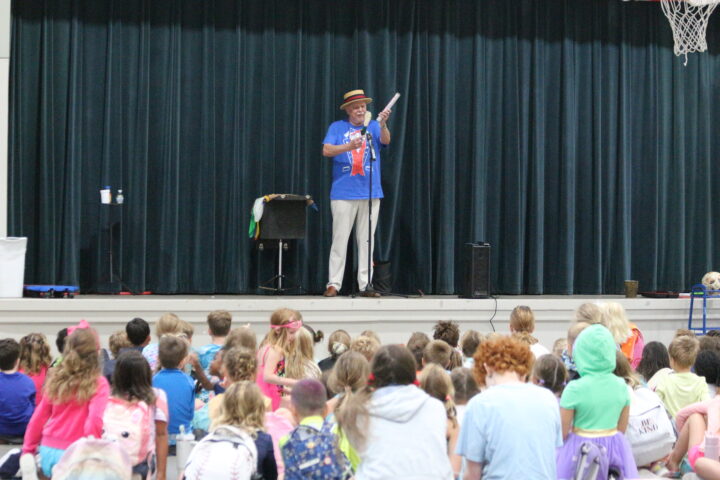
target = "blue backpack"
x: 313, y: 454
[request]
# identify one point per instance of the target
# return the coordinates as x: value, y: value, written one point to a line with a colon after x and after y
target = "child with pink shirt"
x: 73, y: 405
x: 692, y: 425
x: 284, y: 324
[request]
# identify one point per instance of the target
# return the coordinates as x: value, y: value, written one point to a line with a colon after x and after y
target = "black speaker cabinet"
x: 476, y: 271
x: 284, y: 218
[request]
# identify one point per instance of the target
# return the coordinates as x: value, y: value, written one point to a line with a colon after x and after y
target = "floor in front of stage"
x: 393, y: 318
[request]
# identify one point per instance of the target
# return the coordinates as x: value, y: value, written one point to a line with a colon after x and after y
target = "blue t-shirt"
x: 181, y: 397
x: 513, y: 430
x: 351, y: 170
x: 17, y: 403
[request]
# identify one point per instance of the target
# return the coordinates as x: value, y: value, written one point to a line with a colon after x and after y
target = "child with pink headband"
x: 284, y: 323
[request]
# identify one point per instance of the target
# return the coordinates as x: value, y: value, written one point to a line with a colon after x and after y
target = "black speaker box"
x: 284, y: 218
x: 475, y: 281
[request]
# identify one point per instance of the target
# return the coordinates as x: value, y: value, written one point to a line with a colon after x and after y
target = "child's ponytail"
x: 436, y: 383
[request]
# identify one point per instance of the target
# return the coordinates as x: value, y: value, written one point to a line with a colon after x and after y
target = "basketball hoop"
x: 688, y: 19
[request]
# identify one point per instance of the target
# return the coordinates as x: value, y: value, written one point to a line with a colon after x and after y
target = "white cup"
x: 105, y: 196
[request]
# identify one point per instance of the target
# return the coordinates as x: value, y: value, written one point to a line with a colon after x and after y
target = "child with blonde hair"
x: 35, y: 360
x: 680, y: 387
x: 238, y: 364
x: 74, y: 400
x: 349, y: 375
x: 301, y: 357
x: 243, y: 406
x: 238, y: 337
x: 271, y: 377
x: 167, y: 324
x: 627, y: 335
x: 367, y: 346
x: 589, y: 313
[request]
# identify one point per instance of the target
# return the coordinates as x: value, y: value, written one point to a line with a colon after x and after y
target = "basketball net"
x: 689, y: 19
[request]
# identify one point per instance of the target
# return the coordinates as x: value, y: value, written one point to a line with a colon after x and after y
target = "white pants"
x: 347, y: 213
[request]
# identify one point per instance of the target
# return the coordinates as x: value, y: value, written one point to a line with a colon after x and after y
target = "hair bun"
x: 339, y: 348
x: 318, y: 336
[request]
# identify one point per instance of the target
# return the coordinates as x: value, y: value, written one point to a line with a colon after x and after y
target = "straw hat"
x: 354, y: 96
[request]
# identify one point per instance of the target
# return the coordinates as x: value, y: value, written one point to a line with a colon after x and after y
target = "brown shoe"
x: 330, y: 292
x: 370, y: 293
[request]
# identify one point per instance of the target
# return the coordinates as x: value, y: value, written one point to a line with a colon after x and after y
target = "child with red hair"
x: 513, y: 428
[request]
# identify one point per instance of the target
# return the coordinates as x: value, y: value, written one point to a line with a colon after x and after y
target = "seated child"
x: 338, y: 343
x: 310, y: 450
x: 75, y: 397
x: 167, y: 324
x: 439, y: 352
x: 219, y: 323
x: 17, y: 392
x: 550, y: 372
x: 416, y: 344
x: 138, y: 333
x: 367, y: 346
x: 117, y: 341
x: 178, y: 385
x: 35, y: 360
x: 469, y: 343
x: 238, y: 364
x: 681, y: 387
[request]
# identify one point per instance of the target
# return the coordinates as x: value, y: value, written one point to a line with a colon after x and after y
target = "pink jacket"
x: 711, y: 408
x: 59, y: 425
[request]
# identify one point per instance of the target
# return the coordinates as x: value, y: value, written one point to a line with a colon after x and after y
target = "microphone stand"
x: 369, y: 286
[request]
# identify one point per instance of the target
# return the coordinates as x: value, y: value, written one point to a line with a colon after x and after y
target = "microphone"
x: 368, y: 117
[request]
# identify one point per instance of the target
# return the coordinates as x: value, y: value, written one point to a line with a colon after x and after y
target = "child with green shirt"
x: 680, y: 387
x: 595, y: 408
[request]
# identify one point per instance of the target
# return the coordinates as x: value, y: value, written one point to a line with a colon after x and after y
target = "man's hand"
x: 383, y: 117
x: 356, y: 143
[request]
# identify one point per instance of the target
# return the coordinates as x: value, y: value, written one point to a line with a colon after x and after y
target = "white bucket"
x: 12, y: 266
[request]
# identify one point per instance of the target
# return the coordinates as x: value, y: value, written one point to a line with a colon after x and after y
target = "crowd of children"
x: 454, y: 405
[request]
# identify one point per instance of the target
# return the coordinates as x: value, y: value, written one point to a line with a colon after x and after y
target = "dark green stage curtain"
x: 563, y: 132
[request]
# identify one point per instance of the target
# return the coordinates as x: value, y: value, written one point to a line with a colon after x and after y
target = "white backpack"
x: 650, y: 431
x: 226, y: 453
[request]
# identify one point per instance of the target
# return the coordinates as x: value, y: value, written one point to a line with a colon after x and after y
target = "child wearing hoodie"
x: 596, y: 407
x: 397, y: 429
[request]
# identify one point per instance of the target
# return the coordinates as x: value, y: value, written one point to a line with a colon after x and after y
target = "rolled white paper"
x: 390, y: 103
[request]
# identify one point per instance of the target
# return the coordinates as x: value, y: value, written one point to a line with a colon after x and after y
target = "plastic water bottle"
x: 712, y: 446
x: 184, y: 443
x: 119, y: 198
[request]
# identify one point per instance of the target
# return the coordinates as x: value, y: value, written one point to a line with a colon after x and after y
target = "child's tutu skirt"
x: 619, y: 455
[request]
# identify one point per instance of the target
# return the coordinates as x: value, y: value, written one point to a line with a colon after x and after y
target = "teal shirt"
x: 597, y: 400
x: 599, y: 396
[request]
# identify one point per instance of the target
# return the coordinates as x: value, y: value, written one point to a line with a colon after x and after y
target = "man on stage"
x: 351, y: 156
